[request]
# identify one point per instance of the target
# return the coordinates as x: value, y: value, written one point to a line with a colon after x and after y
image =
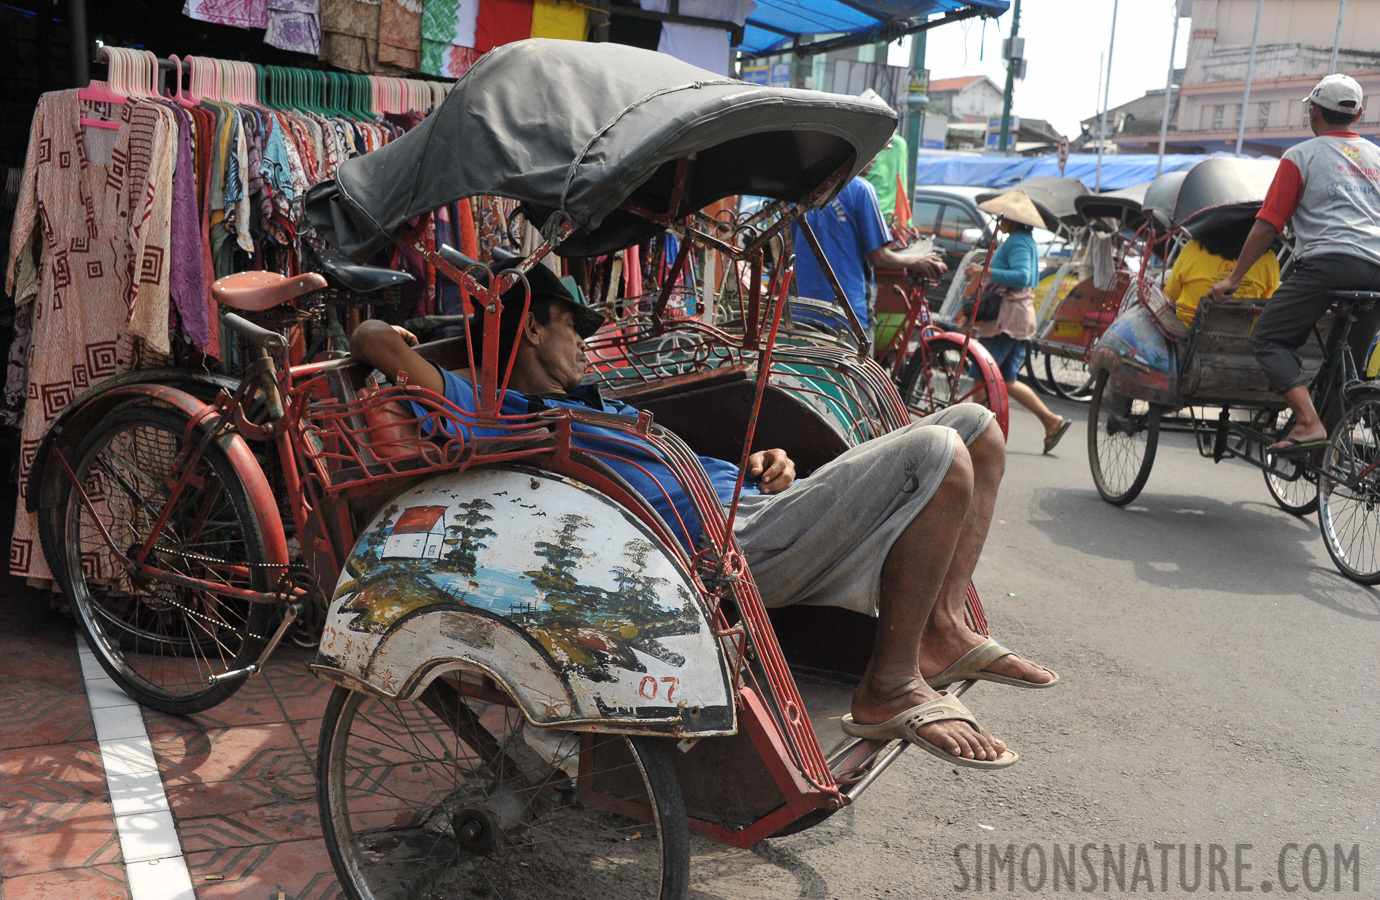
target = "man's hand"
x: 1220, y: 291
x: 408, y: 337
x: 773, y: 469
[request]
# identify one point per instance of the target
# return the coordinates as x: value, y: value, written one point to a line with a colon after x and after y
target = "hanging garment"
x: 502, y: 22
x: 294, y: 25
x: 400, y: 34
x: 103, y: 222
x: 562, y: 19
x: 240, y: 13
x: 707, y: 48
x: 448, y: 36
x: 350, y: 36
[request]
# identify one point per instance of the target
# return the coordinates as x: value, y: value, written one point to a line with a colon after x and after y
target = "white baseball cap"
x: 1339, y: 93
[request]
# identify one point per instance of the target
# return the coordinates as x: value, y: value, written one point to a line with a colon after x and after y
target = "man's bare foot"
x: 1299, y: 436
x: 873, y: 707
x: 941, y: 650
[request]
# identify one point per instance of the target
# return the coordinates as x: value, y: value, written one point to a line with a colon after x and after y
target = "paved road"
x: 1220, y: 689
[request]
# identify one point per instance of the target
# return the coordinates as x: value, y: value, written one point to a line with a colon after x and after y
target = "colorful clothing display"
x: 294, y: 25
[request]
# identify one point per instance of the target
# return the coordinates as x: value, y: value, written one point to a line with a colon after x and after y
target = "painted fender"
x: 544, y: 584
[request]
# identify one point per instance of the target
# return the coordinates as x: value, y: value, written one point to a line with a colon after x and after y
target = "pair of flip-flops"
x: 972, y: 666
x: 1294, y: 448
x: 1052, y: 440
x: 906, y: 727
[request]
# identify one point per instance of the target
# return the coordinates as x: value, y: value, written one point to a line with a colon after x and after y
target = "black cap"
x: 545, y: 283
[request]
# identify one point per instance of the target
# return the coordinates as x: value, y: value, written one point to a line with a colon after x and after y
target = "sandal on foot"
x: 1294, y: 448
x: 973, y: 665
x: 904, y: 727
x: 1052, y: 440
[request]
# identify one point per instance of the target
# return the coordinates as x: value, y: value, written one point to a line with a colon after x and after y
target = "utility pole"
x: 1106, y: 94
x: 1169, y: 88
x: 915, y: 126
x: 1337, y: 39
x: 1011, y: 65
x: 1250, y: 73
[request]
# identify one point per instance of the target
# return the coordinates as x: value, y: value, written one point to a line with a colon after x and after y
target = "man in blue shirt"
x: 853, y: 236
x: 894, y: 526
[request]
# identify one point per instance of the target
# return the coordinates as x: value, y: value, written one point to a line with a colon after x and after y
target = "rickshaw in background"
x: 541, y: 685
x: 1148, y: 366
x: 1081, y: 298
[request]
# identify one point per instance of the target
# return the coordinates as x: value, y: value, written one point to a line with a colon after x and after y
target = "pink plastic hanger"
x: 101, y: 91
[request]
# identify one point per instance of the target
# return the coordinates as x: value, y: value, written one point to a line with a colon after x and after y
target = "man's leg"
x: 947, y: 636
x: 914, y: 570
x: 1286, y: 323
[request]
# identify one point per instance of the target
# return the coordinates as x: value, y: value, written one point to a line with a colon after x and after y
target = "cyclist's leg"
x: 1284, y: 326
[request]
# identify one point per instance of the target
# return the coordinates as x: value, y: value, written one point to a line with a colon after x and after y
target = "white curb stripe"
x: 154, y: 865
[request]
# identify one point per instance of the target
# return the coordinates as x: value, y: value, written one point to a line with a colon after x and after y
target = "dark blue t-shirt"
x: 848, y: 227
x: 627, y: 454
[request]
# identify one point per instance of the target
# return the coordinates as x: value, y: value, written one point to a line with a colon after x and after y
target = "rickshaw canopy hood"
x: 1218, y: 191
x: 1053, y: 197
x: 573, y: 130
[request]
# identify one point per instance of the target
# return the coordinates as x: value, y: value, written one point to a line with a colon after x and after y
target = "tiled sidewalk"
x: 238, y: 779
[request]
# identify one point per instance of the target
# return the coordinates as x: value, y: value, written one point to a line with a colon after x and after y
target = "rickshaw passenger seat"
x: 341, y: 270
x: 259, y: 291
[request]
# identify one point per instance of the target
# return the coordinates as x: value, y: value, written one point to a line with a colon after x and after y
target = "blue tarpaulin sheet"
x: 832, y: 17
x: 1118, y: 171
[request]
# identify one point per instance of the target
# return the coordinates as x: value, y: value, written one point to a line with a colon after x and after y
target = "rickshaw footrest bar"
x: 290, y: 614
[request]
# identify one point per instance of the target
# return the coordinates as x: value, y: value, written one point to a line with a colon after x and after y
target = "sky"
x: 1063, y: 42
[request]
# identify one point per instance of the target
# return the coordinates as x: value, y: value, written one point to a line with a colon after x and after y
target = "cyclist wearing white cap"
x: 1328, y: 188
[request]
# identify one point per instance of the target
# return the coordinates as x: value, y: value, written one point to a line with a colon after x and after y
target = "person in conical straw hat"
x: 1015, y: 267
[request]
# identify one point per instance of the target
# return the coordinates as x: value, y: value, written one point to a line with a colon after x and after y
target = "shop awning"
x: 780, y: 26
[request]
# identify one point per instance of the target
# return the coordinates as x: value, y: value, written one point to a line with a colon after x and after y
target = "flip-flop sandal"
x: 1294, y: 448
x: 903, y: 727
x: 973, y: 666
x: 1052, y: 440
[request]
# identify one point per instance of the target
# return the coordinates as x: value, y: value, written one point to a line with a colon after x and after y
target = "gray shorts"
x: 823, y: 541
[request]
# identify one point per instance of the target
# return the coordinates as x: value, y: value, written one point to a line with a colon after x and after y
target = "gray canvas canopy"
x: 574, y: 130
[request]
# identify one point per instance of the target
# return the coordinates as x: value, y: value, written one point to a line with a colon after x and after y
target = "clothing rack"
x: 133, y: 72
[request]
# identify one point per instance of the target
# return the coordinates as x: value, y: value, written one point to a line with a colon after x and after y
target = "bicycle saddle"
x: 258, y: 291
x: 1364, y: 299
x: 351, y: 276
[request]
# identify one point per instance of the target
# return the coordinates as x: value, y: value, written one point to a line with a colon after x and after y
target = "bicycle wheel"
x: 1349, y: 492
x: 1291, y: 485
x: 160, y: 641
x: 941, y: 374
x: 454, y: 796
x: 1123, y: 435
x: 1034, y: 368
x: 1069, y: 378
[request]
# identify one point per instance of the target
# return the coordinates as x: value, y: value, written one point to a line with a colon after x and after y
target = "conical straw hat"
x: 1014, y: 205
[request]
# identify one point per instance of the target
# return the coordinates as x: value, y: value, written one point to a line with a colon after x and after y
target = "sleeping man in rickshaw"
x: 892, y: 528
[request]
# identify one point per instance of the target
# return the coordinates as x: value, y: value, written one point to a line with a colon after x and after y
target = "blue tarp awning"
x: 1118, y: 171
x: 777, y: 25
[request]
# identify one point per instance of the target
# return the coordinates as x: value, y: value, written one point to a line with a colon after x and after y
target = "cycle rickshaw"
x: 1149, y: 367
x: 541, y: 687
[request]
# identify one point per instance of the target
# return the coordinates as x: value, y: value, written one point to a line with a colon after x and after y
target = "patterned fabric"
x: 400, y: 33
x: 350, y: 36
x: 240, y: 13
x: 91, y: 194
x: 448, y: 36
x: 294, y: 25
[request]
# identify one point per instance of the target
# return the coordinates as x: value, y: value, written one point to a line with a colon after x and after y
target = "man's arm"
x: 385, y: 348
x: 1257, y: 242
x: 885, y: 258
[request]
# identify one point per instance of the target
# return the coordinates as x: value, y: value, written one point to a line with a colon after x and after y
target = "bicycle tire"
x: 1296, y: 492
x: 1034, y: 363
x: 1118, y: 456
x: 1069, y: 378
x: 413, y: 806
x: 940, y: 373
x: 159, y: 641
x: 1349, y: 491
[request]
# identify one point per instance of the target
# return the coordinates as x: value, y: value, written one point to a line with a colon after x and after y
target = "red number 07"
x: 648, y: 687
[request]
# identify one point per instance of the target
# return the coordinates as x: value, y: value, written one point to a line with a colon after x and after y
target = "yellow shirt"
x: 1196, y: 271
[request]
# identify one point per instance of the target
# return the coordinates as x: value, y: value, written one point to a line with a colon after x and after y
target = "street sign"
x: 1063, y: 154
